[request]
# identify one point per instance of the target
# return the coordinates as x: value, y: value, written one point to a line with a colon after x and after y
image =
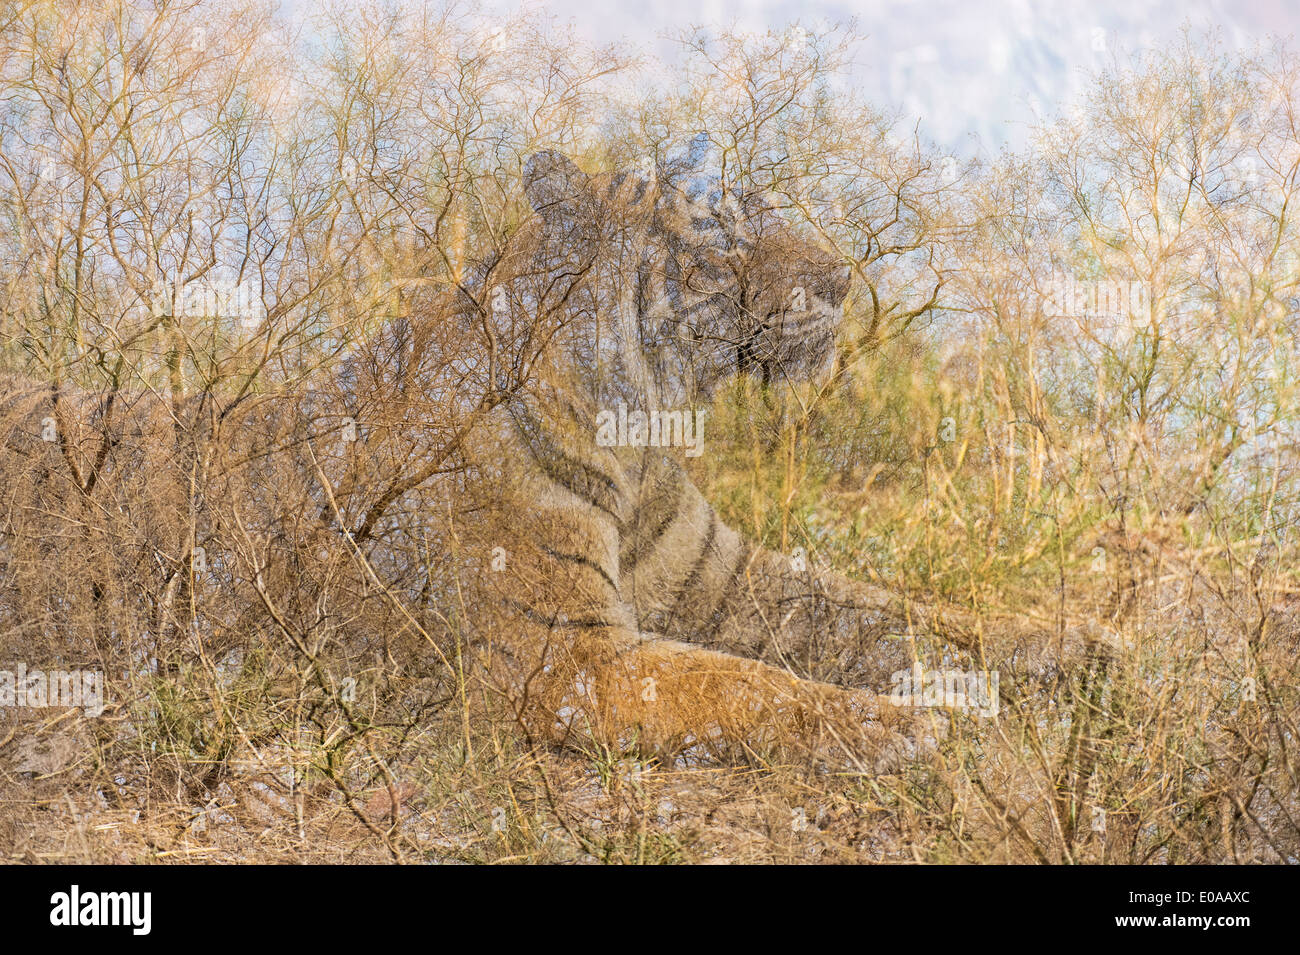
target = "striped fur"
x: 645, y: 616
x: 629, y: 613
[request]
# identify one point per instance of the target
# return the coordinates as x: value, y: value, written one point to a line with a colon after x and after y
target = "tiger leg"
x: 679, y: 699
x: 689, y: 575
x: 582, y: 672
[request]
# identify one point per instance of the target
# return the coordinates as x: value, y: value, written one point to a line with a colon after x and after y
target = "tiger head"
x: 711, y: 282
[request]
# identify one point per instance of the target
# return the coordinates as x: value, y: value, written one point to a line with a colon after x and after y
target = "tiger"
x: 637, y: 616
x: 547, y: 402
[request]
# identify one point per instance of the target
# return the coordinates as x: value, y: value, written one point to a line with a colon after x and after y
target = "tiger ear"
x: 700, y: 151
x: 695, y: 167
x: 551, y: 181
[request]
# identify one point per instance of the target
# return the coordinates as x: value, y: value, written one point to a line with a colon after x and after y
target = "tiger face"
x: 718, y: 282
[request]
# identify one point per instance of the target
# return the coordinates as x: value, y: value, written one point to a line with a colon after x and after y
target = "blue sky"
x: 973, y: 72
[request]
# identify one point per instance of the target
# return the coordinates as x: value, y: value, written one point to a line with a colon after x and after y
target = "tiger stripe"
x: 628, y: 552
